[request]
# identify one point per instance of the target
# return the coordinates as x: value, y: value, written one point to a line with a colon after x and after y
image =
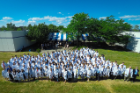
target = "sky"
x: 60, y: 12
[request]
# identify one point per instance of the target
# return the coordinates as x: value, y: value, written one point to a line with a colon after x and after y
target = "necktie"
x: 129, y: 71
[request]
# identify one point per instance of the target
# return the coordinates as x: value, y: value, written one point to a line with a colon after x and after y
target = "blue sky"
x: 60, y: 12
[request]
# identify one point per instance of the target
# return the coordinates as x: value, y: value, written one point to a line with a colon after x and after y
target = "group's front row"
x: 69, y: 73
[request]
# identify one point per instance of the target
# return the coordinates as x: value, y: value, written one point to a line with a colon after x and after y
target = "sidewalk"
x: 58, y: 49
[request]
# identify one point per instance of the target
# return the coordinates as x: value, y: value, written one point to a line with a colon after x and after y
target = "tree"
x: 29, y: 25
x: 11, y: 26
x: 136, y: 28
x: 3, y: 28
x: 111, y: 30
x: 77, y: 26
x: 61, y: 27
x: 39, y: 32
x: 52, y: 28
x: 19, y: 29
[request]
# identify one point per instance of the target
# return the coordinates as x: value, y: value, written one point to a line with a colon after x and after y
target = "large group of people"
x: 85, y: 63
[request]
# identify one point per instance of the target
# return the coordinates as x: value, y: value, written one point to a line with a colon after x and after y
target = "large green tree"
x: 52, y: 28
x: 60, y: 27
x: 39, y: 32
x: 77, y: 26
x: 111, y: 30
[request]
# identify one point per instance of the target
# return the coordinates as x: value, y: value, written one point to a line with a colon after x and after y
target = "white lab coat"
x: 69, y: 73
x: 88, y: 73
x: 51, y: 73
x: 65, y: 75
x: 127, y: 73
x: 56, y: 73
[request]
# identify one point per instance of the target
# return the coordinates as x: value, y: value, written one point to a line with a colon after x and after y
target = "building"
x: 134, y: 44
x: 13, y: 40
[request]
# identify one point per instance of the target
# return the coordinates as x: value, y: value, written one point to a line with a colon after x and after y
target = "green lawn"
x: 104, y: 86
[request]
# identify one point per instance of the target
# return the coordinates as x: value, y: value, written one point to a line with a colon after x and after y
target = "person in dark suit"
x: 135, y: 73
x: 98, y: 74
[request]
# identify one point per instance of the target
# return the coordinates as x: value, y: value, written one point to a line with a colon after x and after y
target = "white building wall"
x: 134, y: 43
x: 13, y: 40
x: 6, y: 41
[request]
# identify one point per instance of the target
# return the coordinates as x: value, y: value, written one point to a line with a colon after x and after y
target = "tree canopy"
x: 39, y: 32
x: 110, y: 29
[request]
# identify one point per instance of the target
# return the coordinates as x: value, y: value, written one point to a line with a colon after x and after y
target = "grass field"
x: 103, y: 86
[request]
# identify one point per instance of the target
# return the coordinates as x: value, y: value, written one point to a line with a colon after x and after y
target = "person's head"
x: 136, y: 67
x: 107, y: 67
x: 130, y: 67
x: 121, y: 66
x: 8, y: 70
x: 122, y: 63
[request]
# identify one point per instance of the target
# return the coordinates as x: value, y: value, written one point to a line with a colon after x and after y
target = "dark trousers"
x: 134, y: 77
x: 98, y: 76
x: 111, y: 75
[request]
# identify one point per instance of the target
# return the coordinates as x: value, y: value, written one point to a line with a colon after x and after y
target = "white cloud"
x: 20, y: 21
x: 134, y: 19
x: 35, y: 18
x: 31, y: 22
x: 59, y: 13
x: 58, y: 20
x: 130, y: 16
x: 102, y: 18
x: 6, y: 18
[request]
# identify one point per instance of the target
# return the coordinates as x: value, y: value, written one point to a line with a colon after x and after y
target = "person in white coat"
x: 22, y: 75
x: 51, y: 74
x: 4, y: 72
x: 107, y: 72
x: 128, y: 74
x: 88, y: 74
x: 122, y: 70
x: 69, y: 74
x: 46, y: 72
x: 15, y: 75
x: 37, y: 73
x: 116, y: 71
x: 93, y: 71
x: 83, y: 72
x: 56, y: 73
x: 65, y: 75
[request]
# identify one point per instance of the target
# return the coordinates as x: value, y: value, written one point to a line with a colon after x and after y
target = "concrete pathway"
x: 58, y: 49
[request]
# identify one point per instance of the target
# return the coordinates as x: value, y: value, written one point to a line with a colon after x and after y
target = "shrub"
x: 38, y: 50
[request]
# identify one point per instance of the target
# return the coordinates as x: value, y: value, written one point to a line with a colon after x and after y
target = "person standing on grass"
x: 135, y: 73
x: 56, y: 73
x: 121, y: 72
x: 65, y: 75
x: 128, y: 73
x: 116, y: 71
x: 69, y: 74
x: 88, y: 74
x: 51, y: 73
x: 98, y: 73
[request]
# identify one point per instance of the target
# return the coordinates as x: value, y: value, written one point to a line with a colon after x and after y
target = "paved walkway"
x: 58, y: 49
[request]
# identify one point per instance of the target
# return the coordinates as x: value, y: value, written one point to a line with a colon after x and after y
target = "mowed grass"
x: 104, y: 86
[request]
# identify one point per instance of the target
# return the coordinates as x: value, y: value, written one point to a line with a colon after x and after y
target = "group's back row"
x: 84, y: 63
